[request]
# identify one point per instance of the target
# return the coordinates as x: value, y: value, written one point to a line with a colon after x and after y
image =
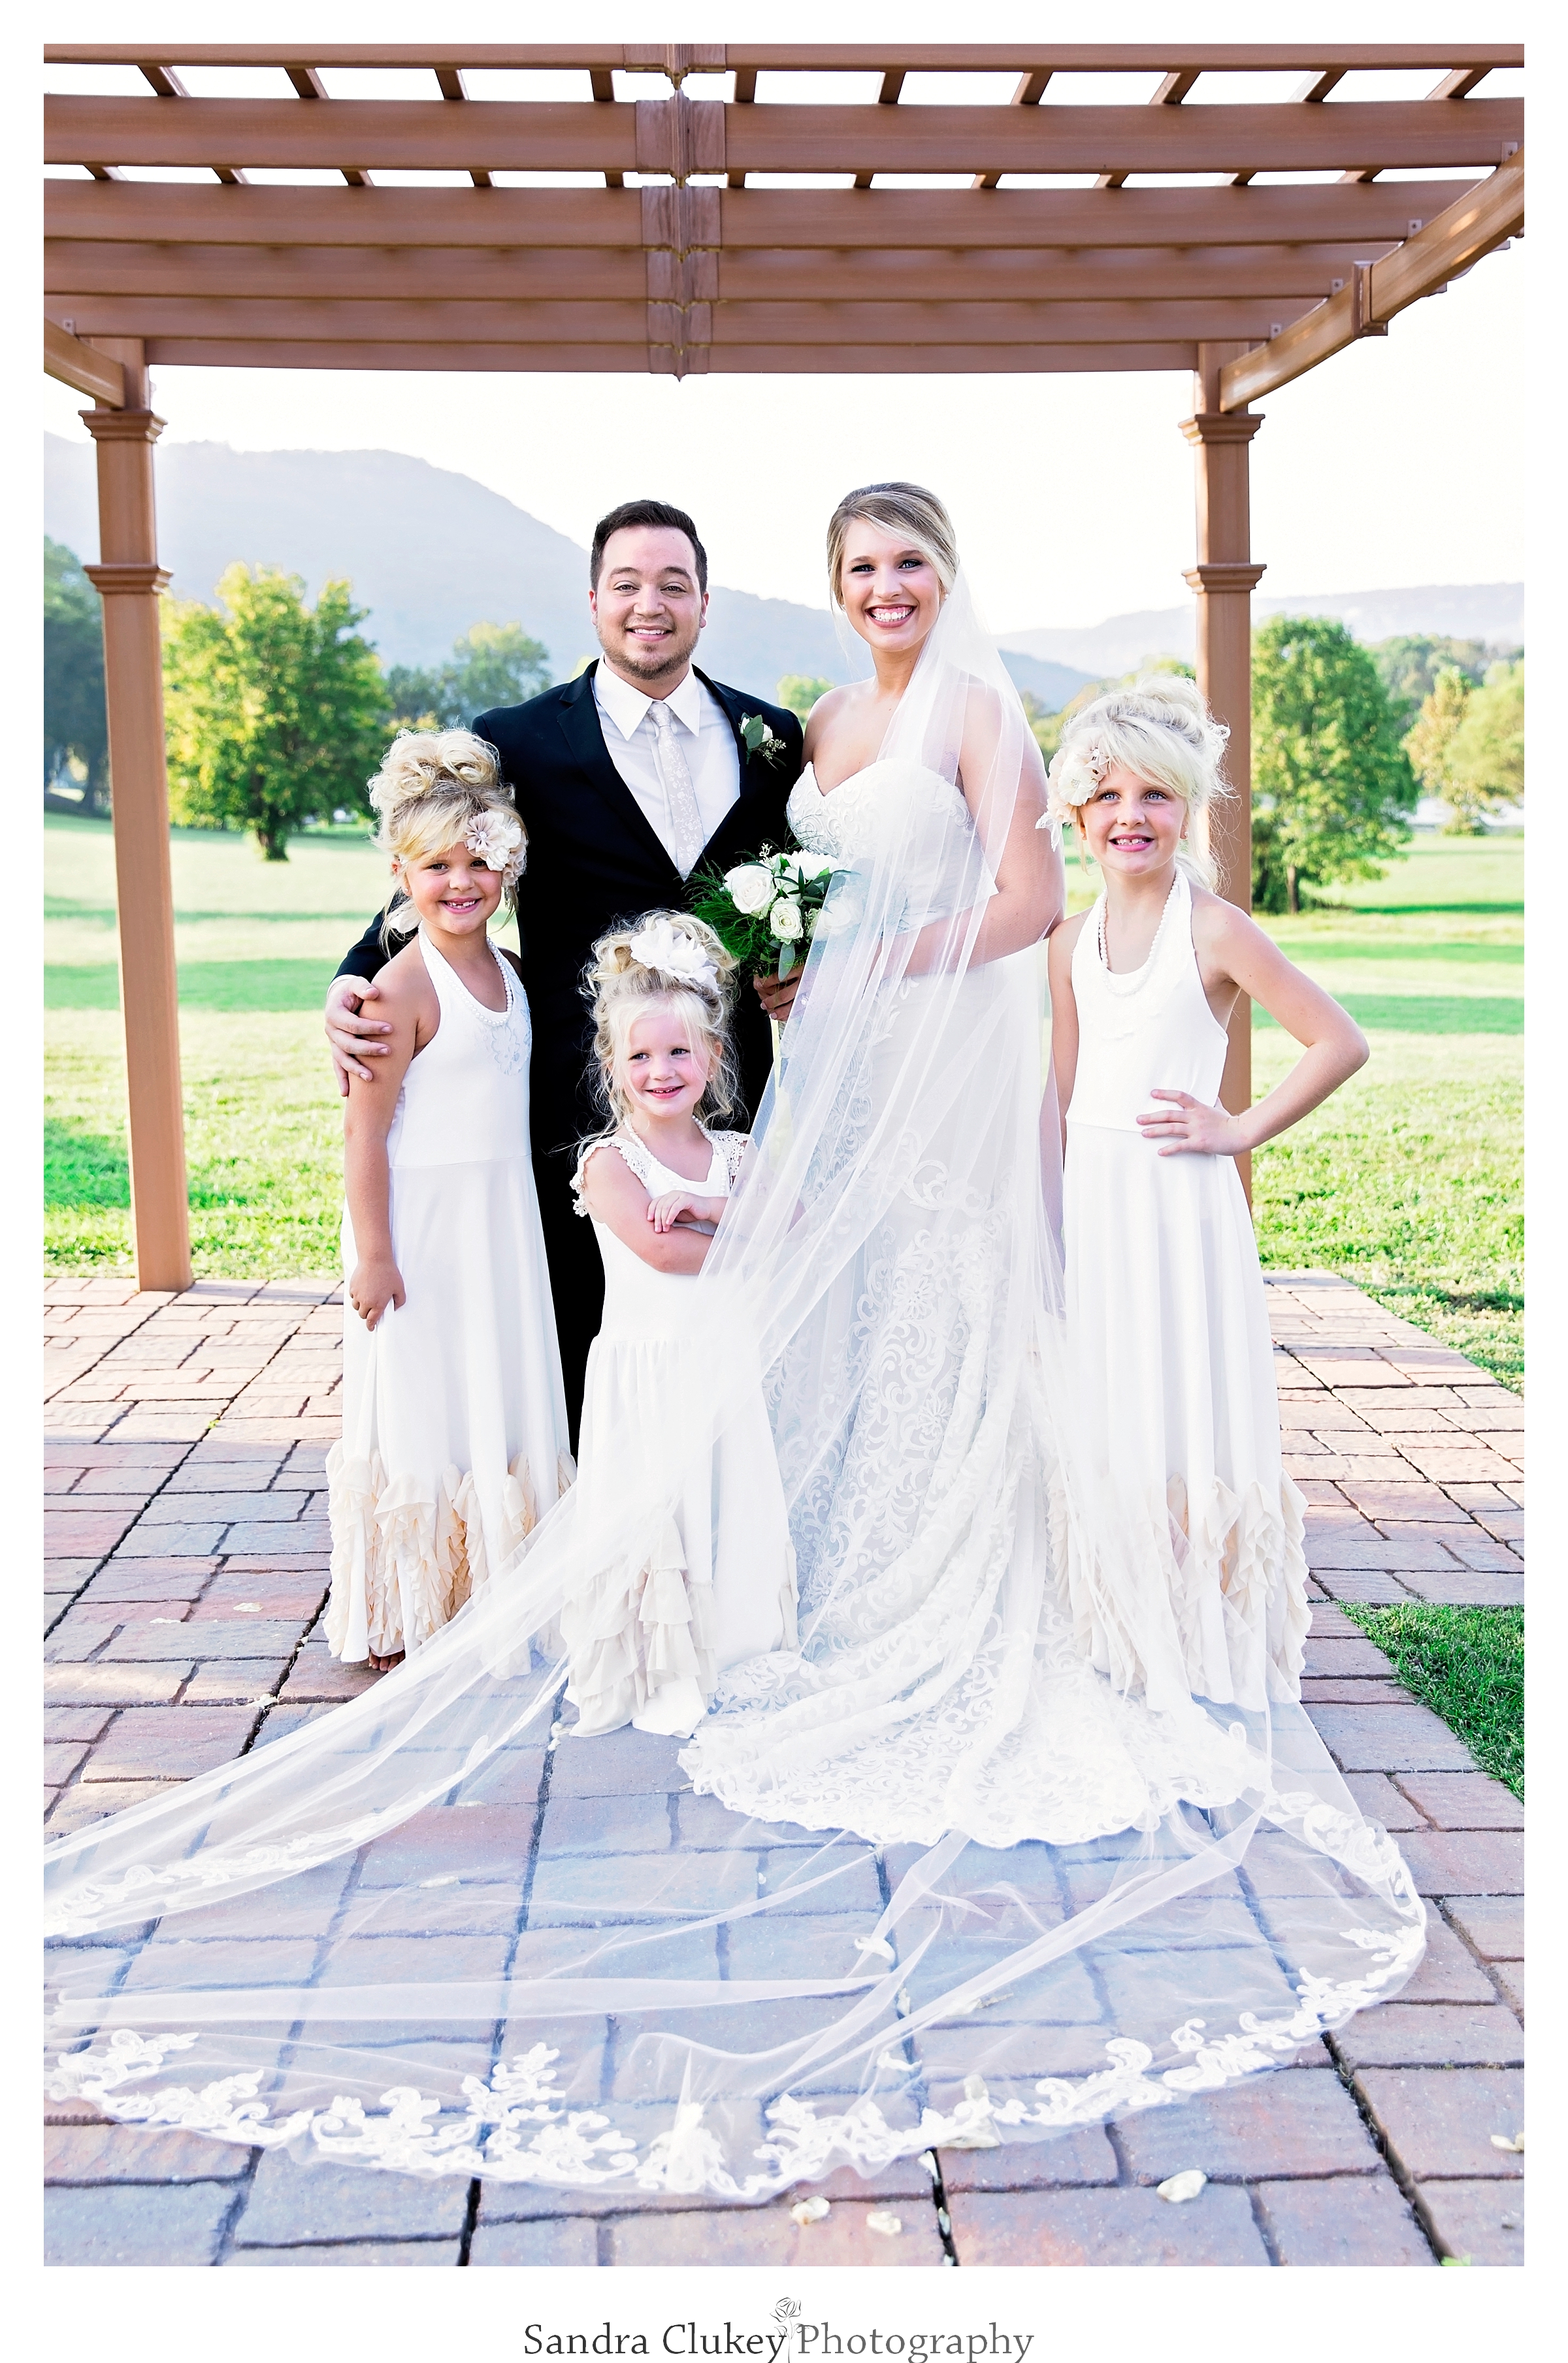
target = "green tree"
x: 491, y: 664
x: 276, y: 712
x: 1429, y: 742
x: 1333, y: 787
x: 75, y: 722
x: 800, y: 691
x: 1408, y: 665
x: 1485, y: 769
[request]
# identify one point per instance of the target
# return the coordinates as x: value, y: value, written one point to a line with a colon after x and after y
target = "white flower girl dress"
x: 455, y: 1437
x: 709, y: 1578
x: 1171, y: 1351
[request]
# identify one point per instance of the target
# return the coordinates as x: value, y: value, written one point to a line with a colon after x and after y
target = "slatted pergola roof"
x: 698, y: 269
x: 584, y: 228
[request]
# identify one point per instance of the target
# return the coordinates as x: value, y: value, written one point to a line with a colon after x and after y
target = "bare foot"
x: 385, y: 1665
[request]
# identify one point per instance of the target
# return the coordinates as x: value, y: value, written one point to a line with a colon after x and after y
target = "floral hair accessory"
x: 1078, y: 769
x: 496, y: 837
x: 670, y: 952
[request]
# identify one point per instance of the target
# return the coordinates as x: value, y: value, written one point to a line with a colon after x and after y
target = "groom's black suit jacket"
x: 595, y: 862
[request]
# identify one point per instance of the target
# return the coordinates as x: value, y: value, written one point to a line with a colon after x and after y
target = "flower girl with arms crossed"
x: 454, y: 1429
x: 707, y: 1579
x: 1167, y: 1322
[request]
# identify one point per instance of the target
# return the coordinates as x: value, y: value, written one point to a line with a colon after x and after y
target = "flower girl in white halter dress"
x: 1167, y: 1323
x: 453, y: 1430
x: 667, y: 1602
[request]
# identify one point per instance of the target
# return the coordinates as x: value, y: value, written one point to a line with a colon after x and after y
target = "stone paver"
x: 186, y: 1571
x: 1439, y: 2122
x: 369, y: 2252
x: 1106, y: 2227
x: 136, y: 2223
x: 1481, y: 2221
x: 1336, y: 2223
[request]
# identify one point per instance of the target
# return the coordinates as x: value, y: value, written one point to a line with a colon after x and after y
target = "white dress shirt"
x: 707, y: 740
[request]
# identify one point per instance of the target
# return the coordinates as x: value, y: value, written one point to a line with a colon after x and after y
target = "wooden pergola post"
x: 128, y: 578
x: 1224, y: 580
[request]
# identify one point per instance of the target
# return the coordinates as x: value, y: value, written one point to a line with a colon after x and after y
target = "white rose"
x: 785, y: 921
x: 751, y: 888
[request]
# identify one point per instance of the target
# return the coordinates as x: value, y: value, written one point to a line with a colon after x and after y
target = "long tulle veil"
x: 930, y: 1878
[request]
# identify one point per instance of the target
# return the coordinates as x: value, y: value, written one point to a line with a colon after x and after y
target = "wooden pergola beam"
x: 76, y: 365
x: 1026, y: 219
x: 101, y: 271
x: 415, y: 325
x: 1436, y: 253
x: 683, y: 135
x: 771, y: 358
x: 1459, y: 82
x: 162, y: 80
x: 795, y: 57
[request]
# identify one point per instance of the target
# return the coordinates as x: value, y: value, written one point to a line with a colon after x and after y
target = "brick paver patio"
x: 186, y: 1569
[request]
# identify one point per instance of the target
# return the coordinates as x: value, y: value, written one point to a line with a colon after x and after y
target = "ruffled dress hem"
x: 406, y: 1554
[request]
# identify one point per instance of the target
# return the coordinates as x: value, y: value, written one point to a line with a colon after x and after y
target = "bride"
x: 966, y: 1890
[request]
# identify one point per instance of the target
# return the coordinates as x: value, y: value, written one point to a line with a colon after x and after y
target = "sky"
x: 1072, y: 494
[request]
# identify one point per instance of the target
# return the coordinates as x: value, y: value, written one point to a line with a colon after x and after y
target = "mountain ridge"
x: 430, y: 551
x: 1469, y: 611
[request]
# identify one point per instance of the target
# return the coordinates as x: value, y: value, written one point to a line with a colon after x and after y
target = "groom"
x: 626, y: 779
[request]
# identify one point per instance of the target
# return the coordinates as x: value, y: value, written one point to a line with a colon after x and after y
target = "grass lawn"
x: 256, y: 943
x: 1408, y: 1181
x: 1467, y: 1664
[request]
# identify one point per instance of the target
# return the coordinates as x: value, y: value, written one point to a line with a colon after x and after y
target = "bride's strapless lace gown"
x: 938, y: 1684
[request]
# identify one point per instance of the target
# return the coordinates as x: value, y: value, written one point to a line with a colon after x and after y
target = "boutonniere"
x: 758, y: 739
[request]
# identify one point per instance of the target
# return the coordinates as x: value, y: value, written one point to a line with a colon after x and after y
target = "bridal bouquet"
x: 765, y: 912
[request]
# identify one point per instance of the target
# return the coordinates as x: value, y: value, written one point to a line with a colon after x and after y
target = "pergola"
x: 1246, y: 281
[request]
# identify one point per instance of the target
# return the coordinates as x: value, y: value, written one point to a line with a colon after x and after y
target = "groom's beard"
x: 666, y: 661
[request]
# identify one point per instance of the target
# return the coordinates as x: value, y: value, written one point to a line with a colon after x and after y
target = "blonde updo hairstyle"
x: 1161, y: 731
x: 908, y: 509
x: 624, y: 979
x: 432, y: 789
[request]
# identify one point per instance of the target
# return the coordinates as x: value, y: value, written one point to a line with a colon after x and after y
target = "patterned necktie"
x: 680, y: 796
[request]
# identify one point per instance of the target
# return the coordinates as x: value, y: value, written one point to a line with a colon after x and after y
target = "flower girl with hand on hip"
x: 705, y: 1578
x: 454, y: 1431
x: 1167, y: 1320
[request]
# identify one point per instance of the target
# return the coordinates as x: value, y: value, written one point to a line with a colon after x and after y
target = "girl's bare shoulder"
x: 513, y: 962
x: 607, y: 1179
x: 405, y: 972
x: 1218, y: 926
x: 407, y: 996
x: 1064, y: 938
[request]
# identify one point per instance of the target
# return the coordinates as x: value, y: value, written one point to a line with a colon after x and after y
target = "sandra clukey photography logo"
x: 790, y: 2337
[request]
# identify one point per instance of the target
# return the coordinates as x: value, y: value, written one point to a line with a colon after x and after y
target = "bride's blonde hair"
x: 1161, y: 731
x: 668, y: 958
x: 908, y: 509
x: 433, y: 789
